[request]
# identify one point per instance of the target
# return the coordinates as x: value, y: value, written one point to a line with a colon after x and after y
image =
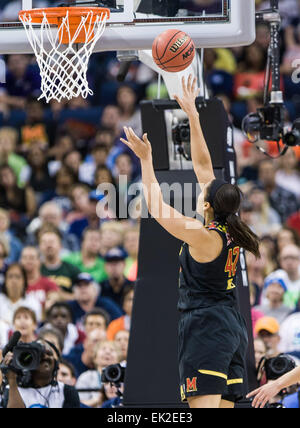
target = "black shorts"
x: 212, y: 349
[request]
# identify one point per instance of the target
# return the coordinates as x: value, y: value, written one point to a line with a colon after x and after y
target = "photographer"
x: 41, y: 390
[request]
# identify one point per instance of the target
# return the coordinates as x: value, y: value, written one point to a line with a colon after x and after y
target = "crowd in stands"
x: 67, y: 273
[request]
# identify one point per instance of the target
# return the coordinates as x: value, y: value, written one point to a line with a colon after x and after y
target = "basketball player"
x: 212, y: 334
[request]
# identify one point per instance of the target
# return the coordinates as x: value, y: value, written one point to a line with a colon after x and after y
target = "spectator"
x: 66, y: 373
x: 60, y: 316
x: 24, y: 321
x: 281, y: 200
x: 265, y: 219
x: 257, y: 272
x: 51, y: 213
x: 73, y: 161
x: 20, y: 202
x: 103, y: 176
x: 99, y: 153
x: 35, y: 131
x: 124, y: 322
x: 37, y: 174
x: 122, y: 340
x: 263, y: 36
x: 8, y: 155
x: 88, y: 259
x: 131, y: 246
x: 4, y: 252
x: 219, y: 66
x: 114, y: 286
x: 65, y: 178
x: 104, y: 136
x: 129, y: 113
x: 82, y: 355
x: 267, y: 329
x: 112, y: 235
x: 14, y: 244
x: 64, y: 143
x: 14, y: 294
x: 105, y: 354
x: 113, y: 399
x: 87, y: 297
x: 260, y: 350
x: 80, y: 200
x: 289, y: 334
x: 61, y: 272
x: 255, y: 313
x: 250, y: 78
x: 39, y: 286
x: 287, y: 236
x: 124, y: 178
x: 274, y: 296
x: 287, y: 175
x: 96, y: 319
x: 91, y: 219
x: 289, y: 260
x: 53, y: 335
x: 22, y: 81
x: 294, y: 222
x: 111, y: 119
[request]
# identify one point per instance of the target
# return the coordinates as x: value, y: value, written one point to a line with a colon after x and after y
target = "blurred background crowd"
x: 69, y: 275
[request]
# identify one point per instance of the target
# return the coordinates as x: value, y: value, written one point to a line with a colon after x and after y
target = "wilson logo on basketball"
x: 188, y: 53
x: 179, y: 42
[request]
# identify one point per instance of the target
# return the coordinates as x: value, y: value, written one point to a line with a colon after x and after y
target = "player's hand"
x: 264, y: 394
x: 190, y: 93
x: 141, y: 147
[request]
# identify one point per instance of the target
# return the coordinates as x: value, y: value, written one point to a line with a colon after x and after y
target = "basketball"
x: 173, y: 51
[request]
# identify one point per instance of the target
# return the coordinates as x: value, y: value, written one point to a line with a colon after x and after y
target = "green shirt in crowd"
x: 97, y: 271
x: 64, y: 276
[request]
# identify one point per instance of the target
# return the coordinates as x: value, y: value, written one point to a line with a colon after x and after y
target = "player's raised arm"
x: 200, y: 154
x: 183, y: 228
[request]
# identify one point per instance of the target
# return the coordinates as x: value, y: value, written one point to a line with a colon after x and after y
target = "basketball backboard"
x: 134, y: 24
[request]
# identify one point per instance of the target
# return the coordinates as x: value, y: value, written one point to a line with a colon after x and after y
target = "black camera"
x: 26, y: 358
x: 181, y: 132
x: 278, y: 366
x: 113, y: 374
x: 265, y: 124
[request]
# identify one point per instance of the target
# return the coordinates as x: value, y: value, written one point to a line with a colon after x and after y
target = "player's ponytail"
x: 242, y: 235
x: 226, y: 199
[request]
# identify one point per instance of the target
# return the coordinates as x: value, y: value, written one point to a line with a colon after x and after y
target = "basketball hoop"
x: 63, y: 52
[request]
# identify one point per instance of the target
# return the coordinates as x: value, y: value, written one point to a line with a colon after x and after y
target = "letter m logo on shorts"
x: 191, y: 385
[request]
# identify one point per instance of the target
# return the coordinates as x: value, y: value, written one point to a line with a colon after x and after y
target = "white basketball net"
x: 63, y: 67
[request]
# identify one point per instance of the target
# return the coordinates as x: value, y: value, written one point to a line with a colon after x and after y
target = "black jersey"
x: 206, y: 284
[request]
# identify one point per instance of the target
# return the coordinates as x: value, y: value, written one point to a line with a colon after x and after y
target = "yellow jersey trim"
x: 212, y: 373
x: 234, y: 381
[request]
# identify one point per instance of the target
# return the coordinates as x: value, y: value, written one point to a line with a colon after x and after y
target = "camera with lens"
x: 181, y: 135
x: 278, y: 366
x: 114, y: 373
x: 181, y: 132
x: 265, y: 124
x: 26, y: 358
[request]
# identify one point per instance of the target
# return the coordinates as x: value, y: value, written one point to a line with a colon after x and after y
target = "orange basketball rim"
x: 56, y: 16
